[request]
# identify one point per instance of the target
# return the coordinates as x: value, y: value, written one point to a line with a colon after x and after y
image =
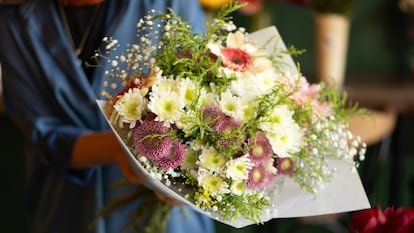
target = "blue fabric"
x: 52, y: 100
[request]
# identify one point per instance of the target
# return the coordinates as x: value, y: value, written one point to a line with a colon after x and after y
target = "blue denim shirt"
x: 52, y: 100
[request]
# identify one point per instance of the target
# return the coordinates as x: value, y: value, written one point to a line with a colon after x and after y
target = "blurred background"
x: 377, y: 73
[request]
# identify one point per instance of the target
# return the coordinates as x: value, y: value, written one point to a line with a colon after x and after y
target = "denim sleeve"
x: 51, y: 110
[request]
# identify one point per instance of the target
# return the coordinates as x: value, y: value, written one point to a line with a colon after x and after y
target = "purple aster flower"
x: 285, y: 166
x: 174, y: 157
x: 150, y: 140
x: 260, y: 177
x: 226, y: 127
x: 261, y: 150
x: 212, y: 115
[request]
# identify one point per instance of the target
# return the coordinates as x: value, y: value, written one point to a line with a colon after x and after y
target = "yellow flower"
x: 214, y: 4
x: 212, y: 160
x: 213, y: 184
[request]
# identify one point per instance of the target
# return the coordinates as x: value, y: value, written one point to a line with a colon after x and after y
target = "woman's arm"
x: 101, y: 148
x: 94, y: 149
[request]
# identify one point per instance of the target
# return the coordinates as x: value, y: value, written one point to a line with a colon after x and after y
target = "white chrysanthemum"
x: 212, y: 160
x: 238, y: 169
x: 243, y: 87
x: 131, y: 106
x: 164, y: 85
x: 261, y: 64
x: 250, y: 110
x: 266, y: 80
x: 188, y: 90
x: 190, y: 160
x: 196, y: 145
x: 237, y: 188
x: 212, y: 183
x: 277, y: 119
x: 206, y: 98
x: 231, y: 105
x: 168, y: 107
x: 285, y: 142
x: 186, y: 121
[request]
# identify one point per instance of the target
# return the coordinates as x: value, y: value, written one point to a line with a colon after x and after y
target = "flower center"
x: 257, y: 176
x: 258, y: 151
x: 285, y: 165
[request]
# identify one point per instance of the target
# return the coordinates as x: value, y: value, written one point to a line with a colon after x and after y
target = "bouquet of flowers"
x: 217, y: 120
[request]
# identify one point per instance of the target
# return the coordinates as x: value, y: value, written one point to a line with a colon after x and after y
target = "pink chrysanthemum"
x: 285, y: 166
x: 173, y: 158
x: 259, y: 177
x: 261, y: 151
x: 236, y: 59
x: 150, y: 140
x: 212, y: 115
x: 226, y: 127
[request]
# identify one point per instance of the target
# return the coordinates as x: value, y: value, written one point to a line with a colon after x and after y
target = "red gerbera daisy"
x: 236, y: 59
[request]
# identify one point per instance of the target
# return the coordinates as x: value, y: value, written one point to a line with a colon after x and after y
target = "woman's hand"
x: 103, y: 148
x: 124, y: 165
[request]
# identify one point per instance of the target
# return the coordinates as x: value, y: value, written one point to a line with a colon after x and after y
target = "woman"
x: 72, y: 157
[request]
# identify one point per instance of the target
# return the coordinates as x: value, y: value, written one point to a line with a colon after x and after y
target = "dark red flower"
x: 369, y: 221
x: 392, y: 220
x: 399, y: 220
